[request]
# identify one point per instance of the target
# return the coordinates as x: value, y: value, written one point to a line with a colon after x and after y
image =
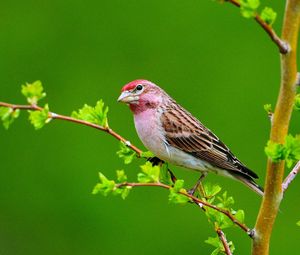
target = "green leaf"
x: 39, y: 118
x: 214, y: 241
x: 96, y: 115
x: 268, y: 15
x: 218, y: 219
x: 126, y: 153
x: 123, y: 191
x: 249, y: 8
x: 147, y: 154
x: 225, y: 223
x: 268, y: 108
x: 240, y: 215
x: 225, y: 201
x: 298, y: 223
x: 105, y: 186
x: 211, y: 190
x: 178, y: 185
x: 165, y: 176
x: 175, y: 197
x: 8, y: 115
x: 33, y: 92
x: 289, y: 151
x: 217, y: 252
x: 149, y: 173
x: 213, y: 216
x: 231, y: 246
x: 297, y: 102
x: 292, y: 149
x: 275, y: 151
x: 121, y: 176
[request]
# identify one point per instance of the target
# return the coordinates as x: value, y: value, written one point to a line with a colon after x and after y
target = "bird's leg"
x: 173, y: 177
x: 198, y: 185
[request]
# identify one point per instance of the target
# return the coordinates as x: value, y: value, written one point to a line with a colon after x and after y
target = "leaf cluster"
x: 8, y: 115
x: 217, y: 244
x: 149, y: 174
x: 297, y: 102
x: 249, y: 9
x: 176, y: 193
x: 33, y: 92
x: 289, y: 151
x: 213, y: 195
x: 96, y: 115
x: 39, y: 118
x: 268, y: 108
x: 106, y: 186
x: 126, y: 153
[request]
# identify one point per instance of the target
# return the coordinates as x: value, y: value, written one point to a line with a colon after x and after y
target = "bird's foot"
x: 192, y: 190
x: 155, y: 161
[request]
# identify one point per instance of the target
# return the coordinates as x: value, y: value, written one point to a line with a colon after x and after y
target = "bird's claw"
x: 155, y: 161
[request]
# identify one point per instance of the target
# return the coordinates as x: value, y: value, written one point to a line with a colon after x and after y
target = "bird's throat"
x: 142, y: 106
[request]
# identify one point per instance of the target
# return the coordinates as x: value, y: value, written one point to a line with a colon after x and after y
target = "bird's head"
x: 141, y: 95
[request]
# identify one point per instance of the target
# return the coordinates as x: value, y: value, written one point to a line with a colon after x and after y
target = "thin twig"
x: 224, y: 241
x: 291, y: 176
x: 283, y: 46
x: 53, y: 115
x: 194, y: 199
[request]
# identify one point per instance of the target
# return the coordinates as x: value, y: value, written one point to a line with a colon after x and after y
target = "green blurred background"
x: 220, y: 66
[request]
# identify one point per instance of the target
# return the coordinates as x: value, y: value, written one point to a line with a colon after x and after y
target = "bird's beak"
x: 127, y: 97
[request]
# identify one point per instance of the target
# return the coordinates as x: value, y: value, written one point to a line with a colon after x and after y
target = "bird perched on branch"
x: 176, y: 136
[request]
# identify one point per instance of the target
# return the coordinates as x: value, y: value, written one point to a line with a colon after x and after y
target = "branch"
x: 283, y: 46
x: 291, y: 176
x: 196, y: 200
x: 53, y: 115
x: 108, y: 130
x: 224, y: 241
x: 281, y: 119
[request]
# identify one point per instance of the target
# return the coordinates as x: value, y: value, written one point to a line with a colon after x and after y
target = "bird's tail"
x: 250, y: 183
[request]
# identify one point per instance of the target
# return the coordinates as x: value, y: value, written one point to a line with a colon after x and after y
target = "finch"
x: 174, y: 135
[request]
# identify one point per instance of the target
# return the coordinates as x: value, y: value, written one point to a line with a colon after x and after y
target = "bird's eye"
x: 139, y: 87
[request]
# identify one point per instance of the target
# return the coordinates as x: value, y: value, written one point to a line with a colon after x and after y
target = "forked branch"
x: 283, y: 46
x: 108, y: 130
x: 196, y: 200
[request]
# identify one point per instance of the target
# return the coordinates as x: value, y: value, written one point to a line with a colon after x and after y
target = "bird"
x: 175, y: 136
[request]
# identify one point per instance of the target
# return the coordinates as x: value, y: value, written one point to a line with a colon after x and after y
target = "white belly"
x: 151, y: 134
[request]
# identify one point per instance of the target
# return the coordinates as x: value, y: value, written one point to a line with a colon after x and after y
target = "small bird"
x: 174, y: 135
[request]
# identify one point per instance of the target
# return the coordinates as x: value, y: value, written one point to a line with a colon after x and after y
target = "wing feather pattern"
x: 186, y: 133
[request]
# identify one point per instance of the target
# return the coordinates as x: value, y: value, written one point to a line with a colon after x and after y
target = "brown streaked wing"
x: 185, y: 132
